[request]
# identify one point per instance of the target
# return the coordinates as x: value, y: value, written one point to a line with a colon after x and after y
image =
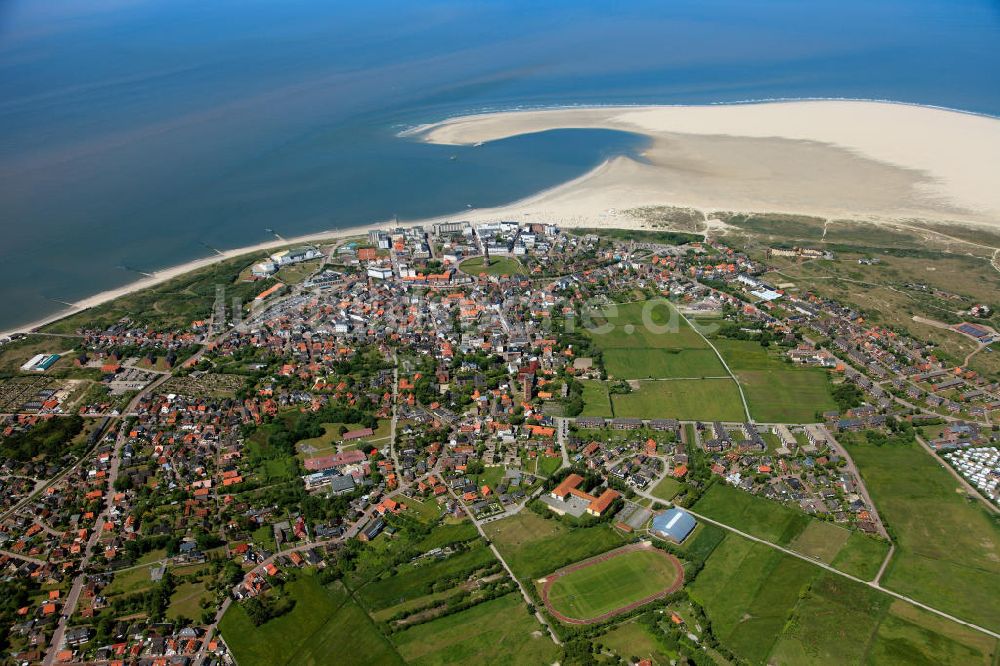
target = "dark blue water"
x: 132, y: 132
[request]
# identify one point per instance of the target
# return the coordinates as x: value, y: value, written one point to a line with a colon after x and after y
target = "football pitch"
x: 610, y: 584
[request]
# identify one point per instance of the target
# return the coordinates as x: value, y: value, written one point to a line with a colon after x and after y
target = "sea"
x: 139, y: 134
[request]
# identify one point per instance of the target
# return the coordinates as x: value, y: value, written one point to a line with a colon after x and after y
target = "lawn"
x: 425, y: 511
x: 667, y: 489
x: 186, y: 601
x: 534, y: 546
x: 595, y: 399
x: 597, y: 589
x: 500, y: 631
x: 777, y: 391
x: 321, y: 622
x: 948, y: 548
x: 498, y: 266
x: 131, y: 580
x: 695, y: 399
x: 446, y: 534
x: 659, y: 363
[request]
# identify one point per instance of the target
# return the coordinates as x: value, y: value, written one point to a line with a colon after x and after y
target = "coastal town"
x: 400, y: 416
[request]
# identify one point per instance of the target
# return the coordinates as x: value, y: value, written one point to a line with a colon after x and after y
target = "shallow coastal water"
x: 133, y: 134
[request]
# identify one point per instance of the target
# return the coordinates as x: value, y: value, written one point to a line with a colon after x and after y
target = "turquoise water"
x: 134, y: 132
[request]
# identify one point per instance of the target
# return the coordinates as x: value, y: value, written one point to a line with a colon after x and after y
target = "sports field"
x: 498, y: 266
x: 685, y: 399
x: 610, y: 584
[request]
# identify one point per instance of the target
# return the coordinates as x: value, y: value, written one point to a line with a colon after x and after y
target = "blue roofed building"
x: 674, y: 525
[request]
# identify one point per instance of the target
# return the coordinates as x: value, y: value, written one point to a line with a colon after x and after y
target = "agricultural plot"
x: 789, y: 527
x: 649, y: 340
x: 660, y: 363
x: 495, y: 632
x: 534, y: 546
x: 775, y: 609
x: 610, y: 584
x: 776, y: 391
x: 419, y: 579
x: 948, y: 549
x: 694, y: 399
x: 595, y: 399
x: 322, y: 621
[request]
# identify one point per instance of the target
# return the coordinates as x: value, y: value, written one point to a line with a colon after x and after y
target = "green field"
x: 850, y: 551
x: 667, y: 489
x: 495, y: 632
x: 597, y: 589
x: 321, y: 623
x: 498, y: 266
x: 861, y: 556
x: 595, y: 399
x: 820, y: 540
x: 661, y: 327
x: 416, y: 580
x: 948, y: 548
x: 693, y: 399
x: 771, y: 608
x: 659, y: 363
x: 631, y: 639
x: 534, y: 546
x: 777, y: 391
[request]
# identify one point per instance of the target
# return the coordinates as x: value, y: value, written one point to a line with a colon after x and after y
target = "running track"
x: 549, y: 580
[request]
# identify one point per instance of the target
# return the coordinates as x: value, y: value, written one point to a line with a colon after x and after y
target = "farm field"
x: 775, y: 609
x: 417, y: 580
x: 793, y: 529
x: 495, y: 632
x: 861, y: 556
x: 778, y: 392
x: 665, y: 329
x: 595, y: 399
x: 948, y: 548
x: 322, y: 619
x: 589, y: 592
x: 498, y: 266
x: 686, y: 399
x: 660, y: 363
x: 534, y: 546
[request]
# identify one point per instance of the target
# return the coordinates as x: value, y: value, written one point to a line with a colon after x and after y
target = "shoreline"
x: 600, y: 197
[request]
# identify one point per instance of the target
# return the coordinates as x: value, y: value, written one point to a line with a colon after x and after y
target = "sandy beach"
x: 845, y: 160
x: 834, y: 159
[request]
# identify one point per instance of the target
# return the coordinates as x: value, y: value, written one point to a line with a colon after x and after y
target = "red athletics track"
x: 549, y: 580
